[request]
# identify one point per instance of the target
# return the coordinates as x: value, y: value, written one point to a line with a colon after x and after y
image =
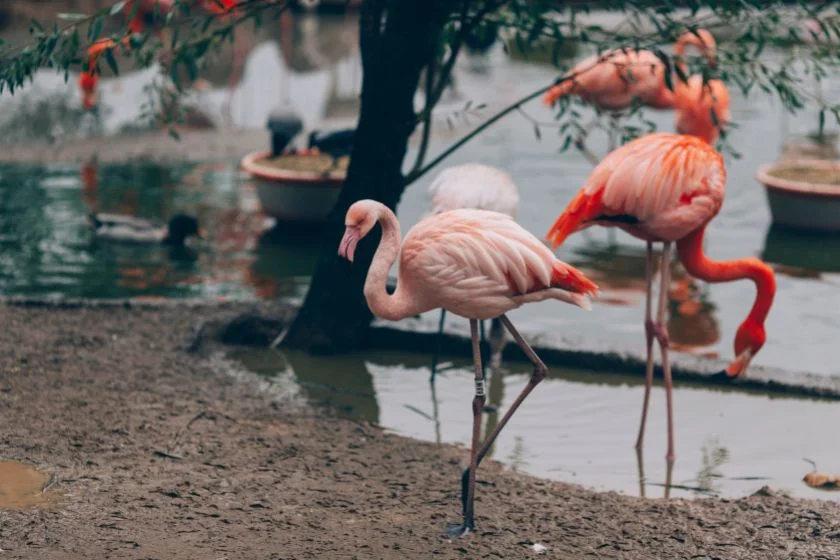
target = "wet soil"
x: 321, y: 163
x: 160, y: 452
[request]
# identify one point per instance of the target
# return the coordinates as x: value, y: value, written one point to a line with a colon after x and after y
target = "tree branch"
x: 427, y: 117
x: 414, y: 175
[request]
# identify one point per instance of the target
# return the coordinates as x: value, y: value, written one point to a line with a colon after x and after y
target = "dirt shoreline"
x: 156, y: 452
x: 153, y: 145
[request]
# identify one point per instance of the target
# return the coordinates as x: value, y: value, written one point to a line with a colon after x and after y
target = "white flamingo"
x: 480, y: 187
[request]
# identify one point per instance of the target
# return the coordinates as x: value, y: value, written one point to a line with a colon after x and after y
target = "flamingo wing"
x: 612, y: 80
x: 662, y: 185
x: 474, y: 185
x: 468, y: 255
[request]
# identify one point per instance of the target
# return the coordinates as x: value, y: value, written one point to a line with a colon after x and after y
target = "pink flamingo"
x: 613, y: 81
x: 478, y: 186
x: 667, y: 188
x: 476, y: 264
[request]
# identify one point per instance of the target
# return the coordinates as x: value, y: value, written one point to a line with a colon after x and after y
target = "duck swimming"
x: 128, y: 228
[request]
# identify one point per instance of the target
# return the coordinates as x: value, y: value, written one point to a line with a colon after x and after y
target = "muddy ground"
x: 157, y: 452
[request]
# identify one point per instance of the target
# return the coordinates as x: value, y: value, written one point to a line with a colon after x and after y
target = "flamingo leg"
x: 497, y: 342
x: 662, y: 337
x: 540, y: 372
x: 435, y: 414
x: 649, y: 334
x: 437, y: 351
x: 477, y: 408
x: 640, y: 463
x: 482, y: 345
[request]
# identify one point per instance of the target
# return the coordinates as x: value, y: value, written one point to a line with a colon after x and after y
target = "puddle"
x: 24, y: 487
x: 579, y: 426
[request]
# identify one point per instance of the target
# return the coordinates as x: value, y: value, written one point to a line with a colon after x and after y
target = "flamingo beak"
x: 351, y: 238
x: 738, y: 367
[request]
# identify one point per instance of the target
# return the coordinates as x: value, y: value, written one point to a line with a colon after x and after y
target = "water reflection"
x: 801, y: 255
x: 619, y: 270
x: 346, y: 387
x: 49, y: 249
x: 576, y: 426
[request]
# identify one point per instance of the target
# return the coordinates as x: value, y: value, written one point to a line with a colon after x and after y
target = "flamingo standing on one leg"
x: 666, y: 188
x: 615, y: 80
x: 476, y: 264
x: 478, y: 186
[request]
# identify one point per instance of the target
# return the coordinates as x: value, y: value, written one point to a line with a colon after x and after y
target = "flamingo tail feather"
x: 560, y: 90
x: 581, y: 209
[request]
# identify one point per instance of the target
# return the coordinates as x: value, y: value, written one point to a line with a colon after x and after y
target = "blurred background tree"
x: 403, y: 41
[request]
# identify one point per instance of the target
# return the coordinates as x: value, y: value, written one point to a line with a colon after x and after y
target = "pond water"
x: 577, y: 426
x: 48, y: 250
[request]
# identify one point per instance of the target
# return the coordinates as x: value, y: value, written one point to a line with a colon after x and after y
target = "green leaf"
x: 566, y: 143
x: 822, y: 120
x: 94, y: 30
x: 174, y: 134
x: 118, y: 7
x: 112, y: 62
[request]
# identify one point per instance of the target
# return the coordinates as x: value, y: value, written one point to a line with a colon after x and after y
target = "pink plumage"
x: 476, y: 263
x: 480, y: 264
x: 474, y: 185
x: 659, y: 187
x: 613, y: 80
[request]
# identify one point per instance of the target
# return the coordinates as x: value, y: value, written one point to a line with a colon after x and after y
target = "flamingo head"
x: 702, y: 110
x: 748, y: 341
x: 360, y: 219
x: 703, y: 41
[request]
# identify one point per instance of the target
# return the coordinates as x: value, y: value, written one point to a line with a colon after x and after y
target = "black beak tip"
x: 722, y: 376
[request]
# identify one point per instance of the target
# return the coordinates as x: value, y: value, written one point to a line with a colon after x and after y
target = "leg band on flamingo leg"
x: 468, y: 480
x: 540, y: 372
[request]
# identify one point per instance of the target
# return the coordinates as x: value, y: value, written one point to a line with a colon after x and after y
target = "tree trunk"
x: 335, y: 317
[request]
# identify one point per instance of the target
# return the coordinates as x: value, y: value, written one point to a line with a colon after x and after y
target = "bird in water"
x: 119, y: 227
x: 476, y: 264
x: 482, y: 187
x: 666, y: 188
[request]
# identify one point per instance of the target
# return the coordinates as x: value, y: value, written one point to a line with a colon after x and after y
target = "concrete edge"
x: 420, y: 336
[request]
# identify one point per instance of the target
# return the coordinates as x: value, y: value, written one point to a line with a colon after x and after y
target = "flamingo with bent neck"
x: 667, y: 188
x: 476, y: 264
x: 615, y: 80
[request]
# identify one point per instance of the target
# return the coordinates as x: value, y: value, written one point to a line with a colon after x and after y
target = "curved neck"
x: 690, y: 251
x: 391, y: 307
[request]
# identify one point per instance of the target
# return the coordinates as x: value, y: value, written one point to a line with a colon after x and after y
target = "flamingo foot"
x: 455, y: 531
